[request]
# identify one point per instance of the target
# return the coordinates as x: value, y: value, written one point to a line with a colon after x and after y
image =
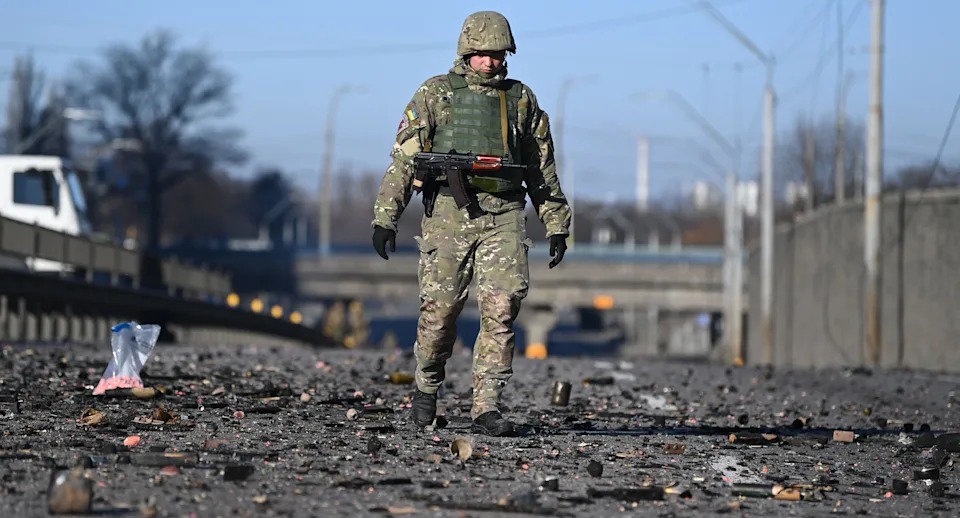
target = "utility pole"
x: 324, y: 215
x: 766, y: 218
x: 809, y: 159
x: 732, y: 270
x: 643, y: 174
x: 838, y: 174
x: 872, y: 216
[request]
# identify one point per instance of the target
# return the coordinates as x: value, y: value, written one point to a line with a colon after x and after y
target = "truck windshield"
x: 79, y: 200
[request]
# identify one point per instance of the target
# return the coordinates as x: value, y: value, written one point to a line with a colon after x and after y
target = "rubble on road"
x: 263, y: 430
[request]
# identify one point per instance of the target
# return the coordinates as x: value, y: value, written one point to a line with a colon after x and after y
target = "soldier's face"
x: 487, y: 62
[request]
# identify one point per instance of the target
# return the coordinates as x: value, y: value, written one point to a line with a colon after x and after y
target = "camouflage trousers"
x: 453, y: 250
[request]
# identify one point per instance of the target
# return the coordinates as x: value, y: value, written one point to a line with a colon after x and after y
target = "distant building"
x: 748, y: 196
x: 794, y: 192
x: 705, y: 196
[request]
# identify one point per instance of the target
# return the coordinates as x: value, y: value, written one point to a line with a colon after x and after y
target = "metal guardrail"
x: 89, y: 259
x: 98, y: 284
x: 48, y: 308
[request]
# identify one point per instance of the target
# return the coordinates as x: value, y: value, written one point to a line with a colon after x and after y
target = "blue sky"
x: 287, y: 58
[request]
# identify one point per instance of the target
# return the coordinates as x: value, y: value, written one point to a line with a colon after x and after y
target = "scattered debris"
x: 751, y: 438
x: 461, y: 448
x: 628, y: 494
x: 91, y: 417
x: 550, y: 484
x: 374, y: 445
x: 237, y: 472
x: 9, y: 405
x: 394, y: 510
x: 926, y: 473
x: 600, y: 380
x: 674, y: 448
x: 936, y: 489
x: 597, y: 454
x: 899, y: 487
x: 594, y: 468
x: 143, y: 392
x: 165, y: 459
x: 561, y: 393
x: 70, y: 492
x: 401, y: 378
x: 843, y: 436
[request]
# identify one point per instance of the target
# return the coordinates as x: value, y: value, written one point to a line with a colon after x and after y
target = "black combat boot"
x: 492, y: 423
x: 424, y: 408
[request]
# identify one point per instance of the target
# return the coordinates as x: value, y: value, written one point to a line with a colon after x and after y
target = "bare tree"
x: 159, y: 95
x: 808, y: 157
x: 194, y: 215
x: 923, y: 177
x: 34, y: 128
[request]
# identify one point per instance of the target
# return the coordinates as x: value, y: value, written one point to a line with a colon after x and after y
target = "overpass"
x: 680, y: 281
x: 683, y: 280
x: 669, y: 284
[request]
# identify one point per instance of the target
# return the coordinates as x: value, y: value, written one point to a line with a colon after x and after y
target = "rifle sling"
x: 503, y: 119
x: 444, y: 189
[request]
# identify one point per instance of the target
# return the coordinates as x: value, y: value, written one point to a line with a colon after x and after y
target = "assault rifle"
x: 456, y: 167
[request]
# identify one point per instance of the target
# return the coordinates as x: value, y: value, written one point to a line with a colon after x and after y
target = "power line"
x: 806, y: 31
x: 377, y: 50
x: 816, y: 84
x: 825, y: 56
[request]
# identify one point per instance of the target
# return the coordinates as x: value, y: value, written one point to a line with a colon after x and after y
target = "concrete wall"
x: 819, y: 286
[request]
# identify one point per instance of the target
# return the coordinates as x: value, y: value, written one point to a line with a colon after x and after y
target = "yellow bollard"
x: 233, y: 300
x: 256, y: 305
x: 296, y: 317
x: 276, y: 311
x: 536, y: 351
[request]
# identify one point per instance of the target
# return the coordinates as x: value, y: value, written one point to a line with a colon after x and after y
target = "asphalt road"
x: 270, y: 431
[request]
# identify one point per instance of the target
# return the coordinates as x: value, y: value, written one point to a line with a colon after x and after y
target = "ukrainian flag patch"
x: 411, y: 114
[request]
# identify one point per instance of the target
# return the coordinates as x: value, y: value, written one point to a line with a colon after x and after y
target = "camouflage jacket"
x: 429, y: 105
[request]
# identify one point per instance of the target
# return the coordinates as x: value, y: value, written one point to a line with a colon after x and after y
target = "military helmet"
x: 485, y: 31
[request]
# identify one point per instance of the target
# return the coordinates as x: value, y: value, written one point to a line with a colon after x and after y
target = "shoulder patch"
x: 410, y: 116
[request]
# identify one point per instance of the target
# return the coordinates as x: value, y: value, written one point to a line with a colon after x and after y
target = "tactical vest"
x: 480, y: 124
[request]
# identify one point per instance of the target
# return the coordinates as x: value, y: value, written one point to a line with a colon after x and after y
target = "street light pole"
x: 733, y: 244
x: 565, y: 173
x: 643, y: 174
x: 324, y: 215
x: 766, y: 178
x: 766, y: 218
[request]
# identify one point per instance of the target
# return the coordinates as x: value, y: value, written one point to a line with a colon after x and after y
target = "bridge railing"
x: 98, y: 283
x: 90, y: 260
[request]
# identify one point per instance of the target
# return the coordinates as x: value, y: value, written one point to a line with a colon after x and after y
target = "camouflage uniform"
x: 454, y: 248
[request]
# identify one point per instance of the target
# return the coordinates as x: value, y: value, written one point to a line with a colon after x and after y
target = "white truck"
x: 43, y: 190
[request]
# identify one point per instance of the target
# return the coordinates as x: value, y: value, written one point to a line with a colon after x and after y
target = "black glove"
x: 381, y: 237
x: 558, y: 245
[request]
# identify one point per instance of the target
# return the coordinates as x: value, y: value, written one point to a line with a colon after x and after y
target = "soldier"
x: 474, y: 109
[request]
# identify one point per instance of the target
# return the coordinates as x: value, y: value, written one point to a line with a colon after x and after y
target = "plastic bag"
x: 132, y: 344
